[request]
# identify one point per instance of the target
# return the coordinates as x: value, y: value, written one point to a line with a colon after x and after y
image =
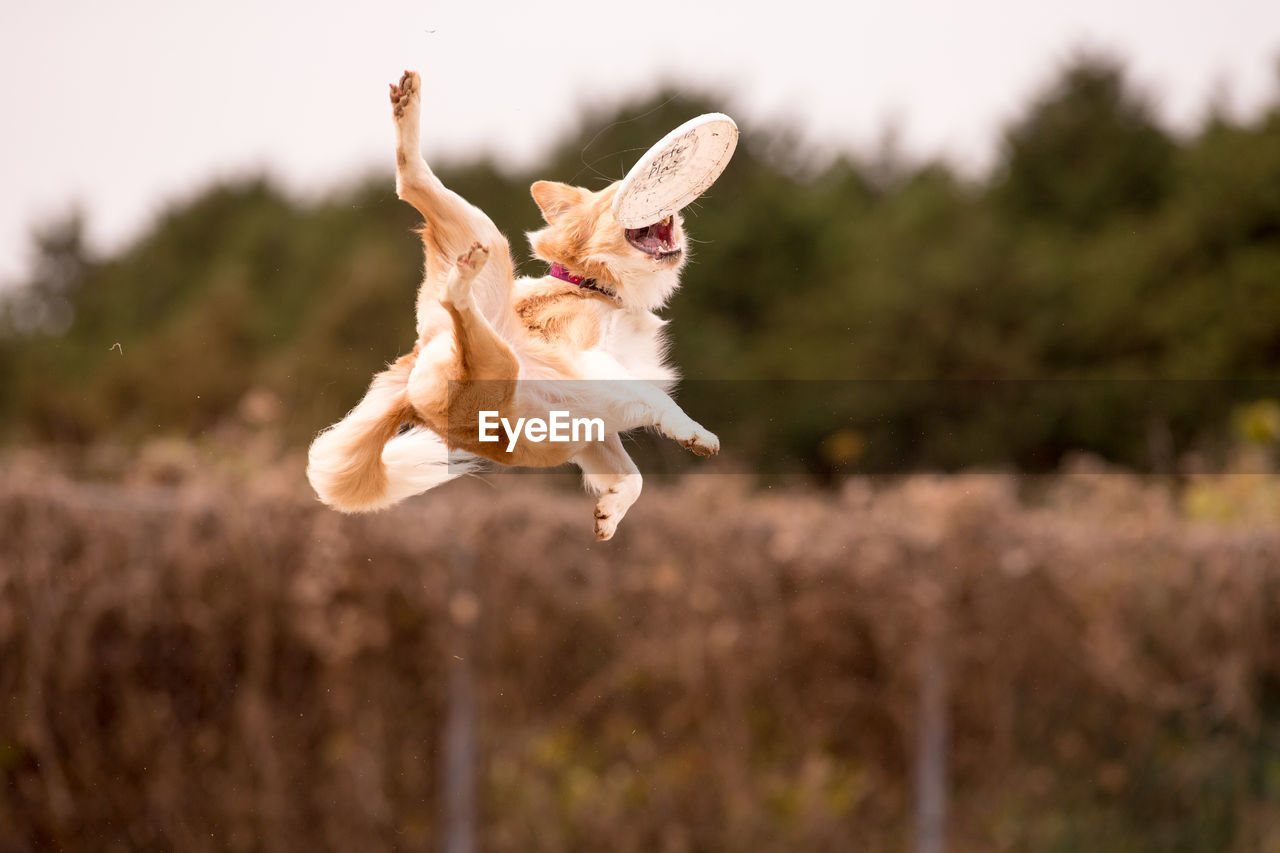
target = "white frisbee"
x: 675, y: 171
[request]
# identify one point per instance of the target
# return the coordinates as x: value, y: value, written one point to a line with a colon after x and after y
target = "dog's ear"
x: 554, y: 199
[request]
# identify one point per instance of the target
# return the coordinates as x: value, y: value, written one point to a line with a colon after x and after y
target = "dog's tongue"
x: 654, y: 238
x: 650, y: 241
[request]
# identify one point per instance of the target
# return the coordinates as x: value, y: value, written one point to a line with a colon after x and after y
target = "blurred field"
x: 216, y: 662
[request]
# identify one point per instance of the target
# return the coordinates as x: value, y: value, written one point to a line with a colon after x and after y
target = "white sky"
x: 124, y: 106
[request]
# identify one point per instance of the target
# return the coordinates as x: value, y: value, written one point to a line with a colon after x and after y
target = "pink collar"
x: 558, y: 271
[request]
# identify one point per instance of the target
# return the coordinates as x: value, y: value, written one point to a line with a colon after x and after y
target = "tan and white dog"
x: 583, y: 339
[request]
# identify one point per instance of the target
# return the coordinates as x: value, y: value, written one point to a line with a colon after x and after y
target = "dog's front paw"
x: 693, y: 436
x: 703, y: 442
x: 404, y: 97
x: 606, y: 522
x: 609, y: 511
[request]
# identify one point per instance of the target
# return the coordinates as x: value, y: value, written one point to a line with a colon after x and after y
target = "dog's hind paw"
x: 472, y: 261
x: 406, y: 94
x: 458, y: 286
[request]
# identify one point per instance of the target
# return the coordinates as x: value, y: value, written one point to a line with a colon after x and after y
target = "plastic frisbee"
x: 675, y: 171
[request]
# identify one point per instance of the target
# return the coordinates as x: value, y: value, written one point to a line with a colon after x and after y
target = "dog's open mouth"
x: 657, y: 241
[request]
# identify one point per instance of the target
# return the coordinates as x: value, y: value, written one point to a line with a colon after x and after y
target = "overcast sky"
x: 125, y: 106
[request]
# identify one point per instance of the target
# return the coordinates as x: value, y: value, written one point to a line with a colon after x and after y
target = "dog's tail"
x: 360, y: 464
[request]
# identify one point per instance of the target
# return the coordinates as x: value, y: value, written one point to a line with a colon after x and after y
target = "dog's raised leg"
x: 452, y: 224
x: 418, y: 185
x: 608, y: 471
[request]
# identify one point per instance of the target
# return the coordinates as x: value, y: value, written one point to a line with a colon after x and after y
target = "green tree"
x: 1089, y: 148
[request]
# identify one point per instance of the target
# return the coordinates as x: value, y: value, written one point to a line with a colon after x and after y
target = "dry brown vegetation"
x: 212, y: 665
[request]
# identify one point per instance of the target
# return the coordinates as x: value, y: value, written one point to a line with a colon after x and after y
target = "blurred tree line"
x: 1106, y: 282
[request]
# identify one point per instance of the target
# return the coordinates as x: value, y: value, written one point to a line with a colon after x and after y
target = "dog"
x: 583, y: 339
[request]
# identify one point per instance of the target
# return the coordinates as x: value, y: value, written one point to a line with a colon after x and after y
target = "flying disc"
x: 675, y: 171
